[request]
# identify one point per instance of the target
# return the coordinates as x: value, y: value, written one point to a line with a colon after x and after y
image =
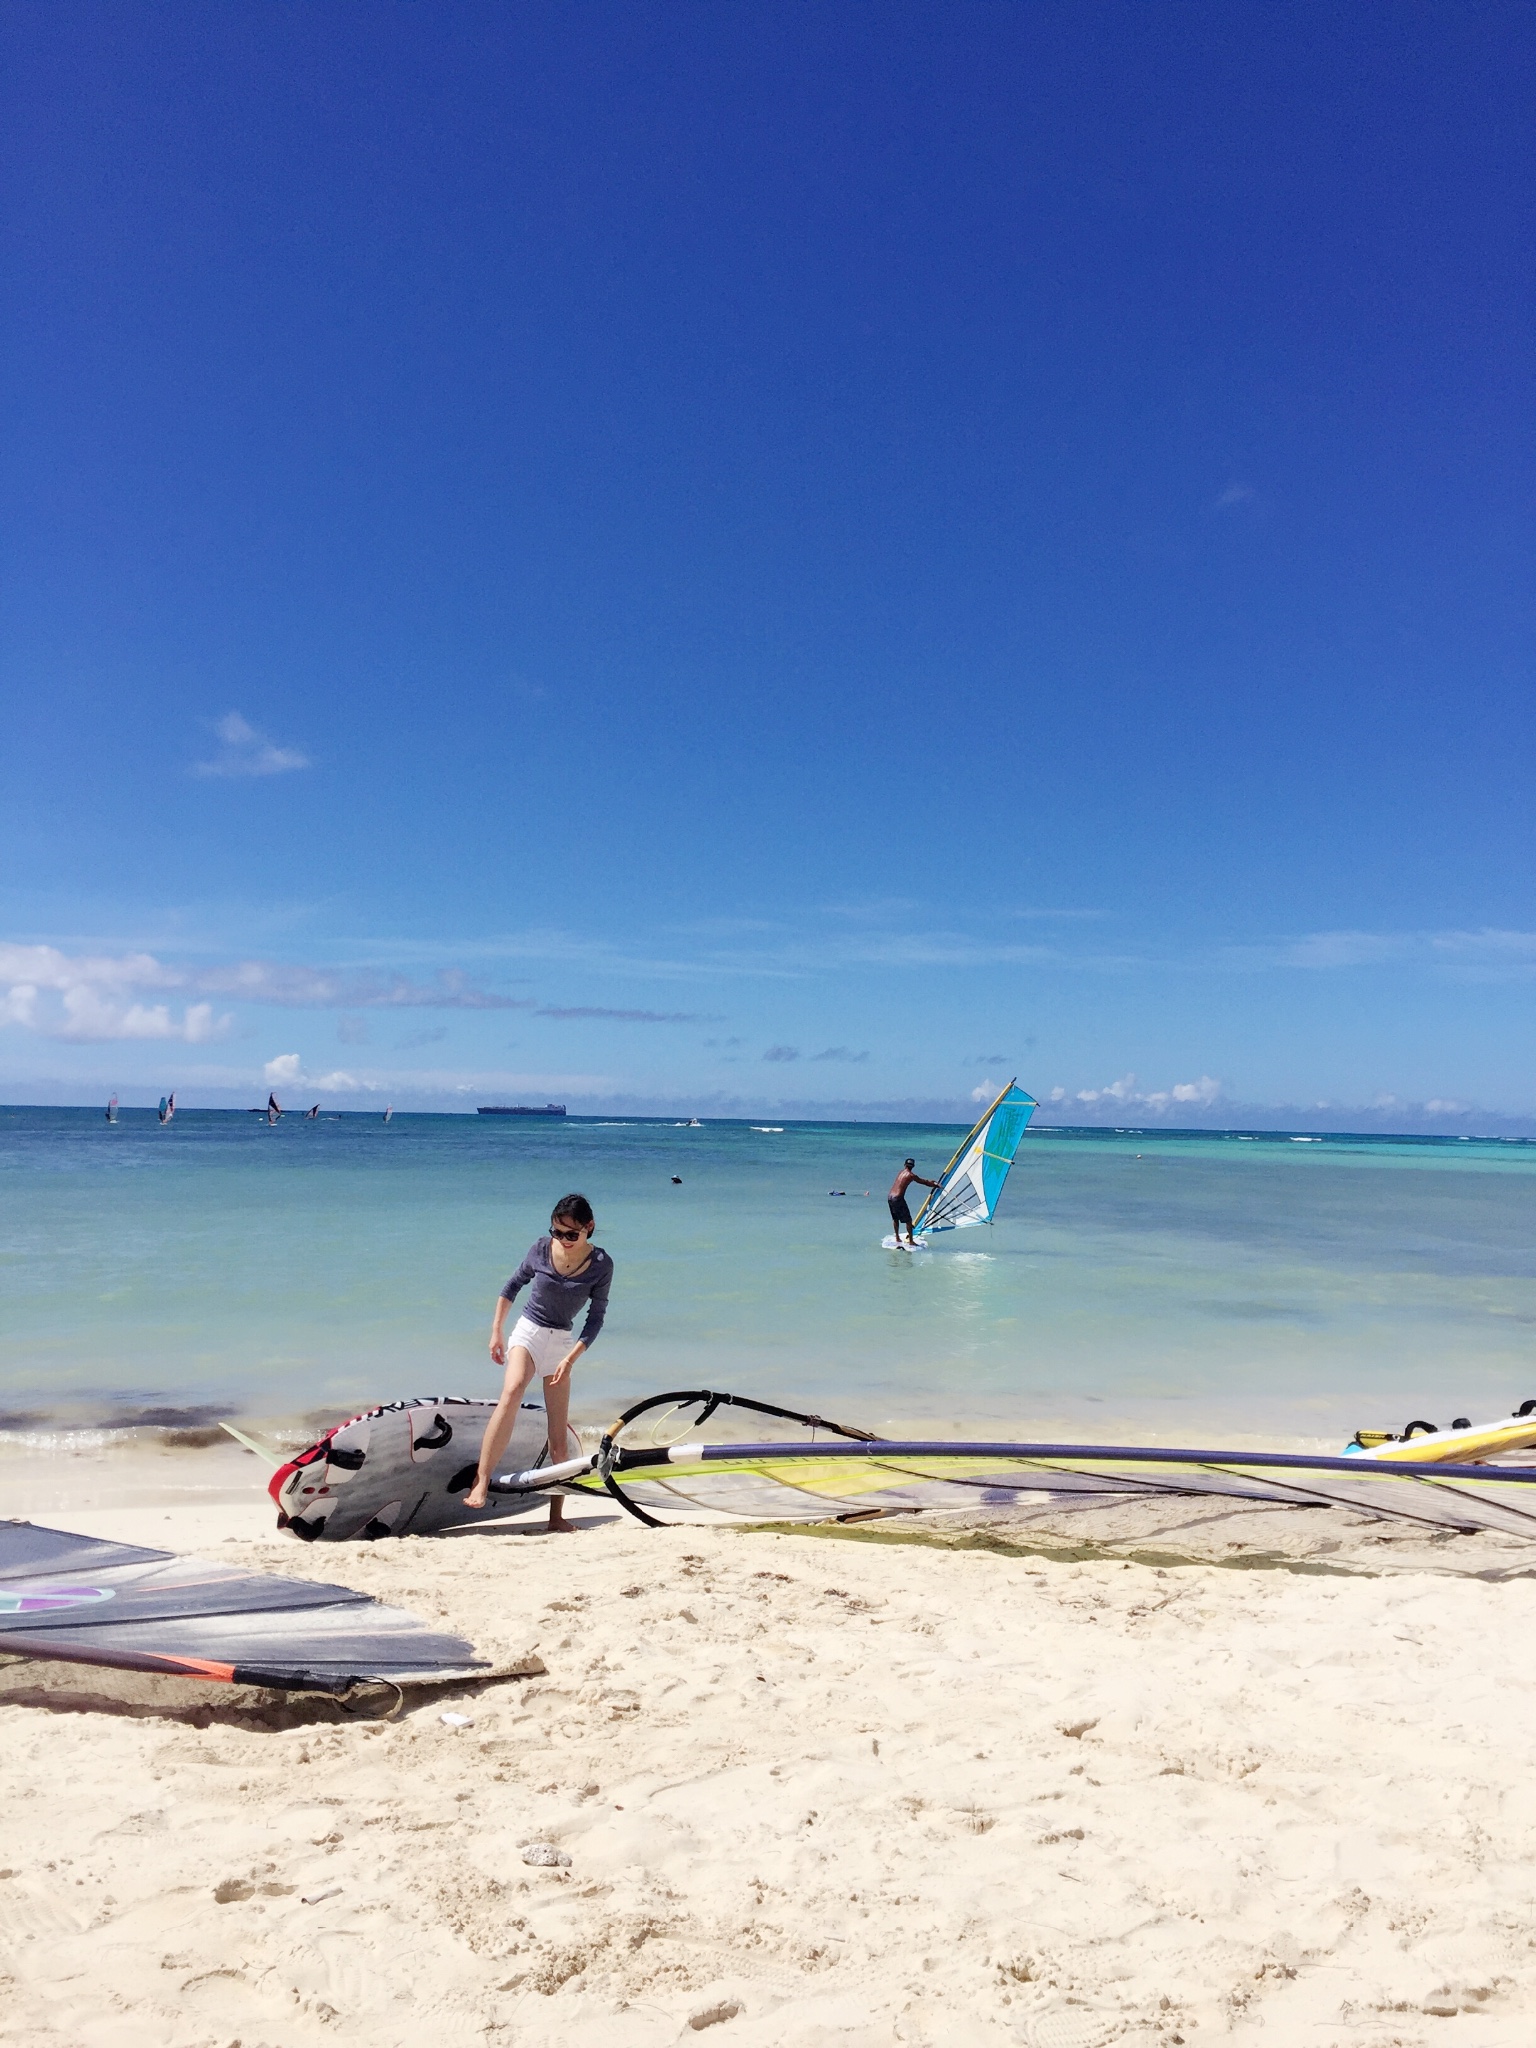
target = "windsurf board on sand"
x: 1464, y: 1443
x: 403, y: 1469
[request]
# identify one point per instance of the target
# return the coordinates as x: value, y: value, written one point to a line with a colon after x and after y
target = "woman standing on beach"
x: 567, y: 1272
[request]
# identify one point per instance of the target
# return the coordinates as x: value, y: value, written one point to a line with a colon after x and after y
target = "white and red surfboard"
x: 403, y: 1469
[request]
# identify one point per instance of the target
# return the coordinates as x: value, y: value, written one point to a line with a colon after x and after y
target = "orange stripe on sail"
x: 201, y: 1667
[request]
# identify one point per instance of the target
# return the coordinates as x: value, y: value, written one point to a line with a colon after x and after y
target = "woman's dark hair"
x: 572, y: 1209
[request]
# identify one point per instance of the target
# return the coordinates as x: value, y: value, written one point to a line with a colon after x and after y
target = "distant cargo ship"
x: 521, y: 1109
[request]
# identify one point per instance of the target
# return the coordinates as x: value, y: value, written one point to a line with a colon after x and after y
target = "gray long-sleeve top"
x: 557, y: 1297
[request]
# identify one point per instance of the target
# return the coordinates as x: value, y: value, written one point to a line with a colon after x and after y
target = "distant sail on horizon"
x: 167, y: 1107
x: 112, y: 1111
x: 970, y: 1185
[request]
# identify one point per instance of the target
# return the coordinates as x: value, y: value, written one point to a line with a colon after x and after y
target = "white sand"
x: 841, y: 1792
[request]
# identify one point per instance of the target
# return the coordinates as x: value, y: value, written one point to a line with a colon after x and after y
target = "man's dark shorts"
x: 900, y: 1213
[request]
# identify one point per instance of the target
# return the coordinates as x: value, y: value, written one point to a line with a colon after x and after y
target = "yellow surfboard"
x: 1463, y: 1443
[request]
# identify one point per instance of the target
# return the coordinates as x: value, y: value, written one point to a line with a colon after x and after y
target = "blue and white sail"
x: 971, y: 1184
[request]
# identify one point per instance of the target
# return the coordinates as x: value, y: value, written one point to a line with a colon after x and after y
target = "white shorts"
x: 546, y: 1347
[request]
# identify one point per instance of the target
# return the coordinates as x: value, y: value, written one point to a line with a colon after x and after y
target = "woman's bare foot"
x: 558, y: 1525
x: 478, y: 1495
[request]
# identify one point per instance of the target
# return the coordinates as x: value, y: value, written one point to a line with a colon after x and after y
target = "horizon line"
x: 669, y: 1118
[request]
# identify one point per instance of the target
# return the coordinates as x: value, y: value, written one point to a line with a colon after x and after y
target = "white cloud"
x: 1057, y: 916
x: 296, y: 987
x: 287, y: 1071
x: 1122, y: 1090
x: 589, y: 1012
x: 86, y: 998
x: 95, y: 1020
x: 99, y: 997
x: 942, y: 949
x: 1488, y: 953
x: 1125, y: 1095
x: 47, y: 967
x: 1206, y: 1089
x: 245, y: 751
x: 1346, y: 949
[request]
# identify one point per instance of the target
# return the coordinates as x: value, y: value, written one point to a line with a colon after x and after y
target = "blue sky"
x: 769, y: 555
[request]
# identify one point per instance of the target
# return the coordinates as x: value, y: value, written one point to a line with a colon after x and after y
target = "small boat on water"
x: 519, y: 1109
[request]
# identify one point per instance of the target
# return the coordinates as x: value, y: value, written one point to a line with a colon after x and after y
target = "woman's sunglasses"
x: 565, y: 1236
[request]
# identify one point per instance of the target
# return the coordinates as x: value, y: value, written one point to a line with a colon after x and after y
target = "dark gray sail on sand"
x: 87, y: 1601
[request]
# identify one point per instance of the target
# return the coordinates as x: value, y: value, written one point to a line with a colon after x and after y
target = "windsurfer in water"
x: 897, y: 1199
x: 567, y: 1272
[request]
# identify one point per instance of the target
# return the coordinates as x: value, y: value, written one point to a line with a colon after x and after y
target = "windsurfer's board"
x: 891, y: 1244
x: 403, y: 1470
x: 1467, y: 1445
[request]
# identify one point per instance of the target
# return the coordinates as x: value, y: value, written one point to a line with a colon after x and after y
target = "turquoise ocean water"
x: 1174, y: 1288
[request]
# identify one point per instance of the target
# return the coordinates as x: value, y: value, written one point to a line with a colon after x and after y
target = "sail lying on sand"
x: 813, y: 1478
x: 89, y: 1602
x: 971, y: 1184
x: 655, y: 1465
